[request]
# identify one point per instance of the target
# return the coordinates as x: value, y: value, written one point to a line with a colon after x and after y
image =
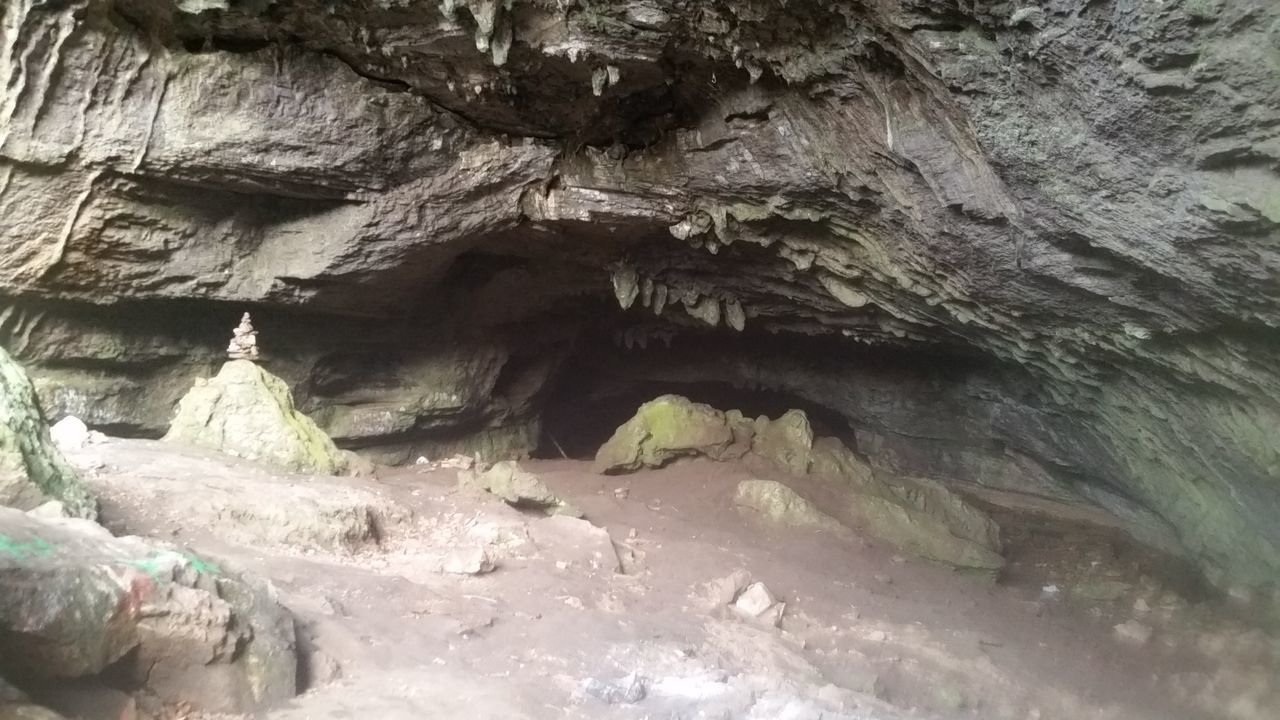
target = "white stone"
x: 51, y: 510
x: 469, y: 561
x: 726, y: 589
x: 755, y: 600
x: 70, y: 433
x: 1133, y: 632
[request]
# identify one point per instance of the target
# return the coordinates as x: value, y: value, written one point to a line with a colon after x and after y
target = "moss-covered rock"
x: 916, y: 515
x: 32, y: 470
x: 667, y: 428
x: 782, y: 505
x: 248, y: 412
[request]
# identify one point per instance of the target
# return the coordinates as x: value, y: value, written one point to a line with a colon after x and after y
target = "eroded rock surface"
x: 1063, y: 217
x: 208, y: 494
x: 32, y: 469
x: 78, y: 601
x: 780, y: 504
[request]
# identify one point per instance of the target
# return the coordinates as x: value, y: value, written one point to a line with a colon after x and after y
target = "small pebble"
x: 1133, y: 632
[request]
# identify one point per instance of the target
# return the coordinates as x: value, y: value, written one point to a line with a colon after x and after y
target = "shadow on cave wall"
x: 600, y: 386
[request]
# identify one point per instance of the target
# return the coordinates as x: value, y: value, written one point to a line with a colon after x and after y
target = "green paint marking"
x: 33, y: 548
x: 150, y: 566
x: 162, y: 560
x: 202, y: 566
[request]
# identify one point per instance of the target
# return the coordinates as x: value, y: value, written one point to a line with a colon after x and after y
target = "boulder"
x: 248, y: 412
x: 165, y: 489
x: 517, y: 487
x: 78, y: 601
x: 786, y: 442
x: 667, y: 428
x: 780, y: 504
x: 70, y: 433
x: 474, y: 560
x: 32, y: 470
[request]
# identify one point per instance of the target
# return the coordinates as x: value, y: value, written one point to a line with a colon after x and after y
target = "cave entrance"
x: 579, y: 417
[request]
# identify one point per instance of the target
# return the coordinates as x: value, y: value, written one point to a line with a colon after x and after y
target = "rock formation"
x: 79, y: 602
x: 1024, y: 236
x: 670, y: 427
x: 32, y: 469
x: 780, y: 504
x: 915, y: 514
x: 516, y: 486
x: 248, y: 412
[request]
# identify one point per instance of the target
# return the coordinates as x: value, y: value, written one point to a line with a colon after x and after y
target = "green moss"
x: 664, y: 429
x: 32, y: 469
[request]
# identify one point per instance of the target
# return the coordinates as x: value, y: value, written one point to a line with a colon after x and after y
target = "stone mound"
x: 247, y: 412
x: 79, y: 602
x: 32, y: 470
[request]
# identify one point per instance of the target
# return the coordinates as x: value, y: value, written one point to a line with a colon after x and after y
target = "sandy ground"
x: 576, y: 624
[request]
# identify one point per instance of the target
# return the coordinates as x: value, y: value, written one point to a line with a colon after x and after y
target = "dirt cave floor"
x: 574, y: 623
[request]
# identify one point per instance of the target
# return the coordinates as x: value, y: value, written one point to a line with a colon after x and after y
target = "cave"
x: 1026, y: 256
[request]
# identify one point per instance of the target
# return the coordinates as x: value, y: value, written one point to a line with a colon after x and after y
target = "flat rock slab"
x: 158, y: 485
x: 78, y: 600
x: 576, y: 542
